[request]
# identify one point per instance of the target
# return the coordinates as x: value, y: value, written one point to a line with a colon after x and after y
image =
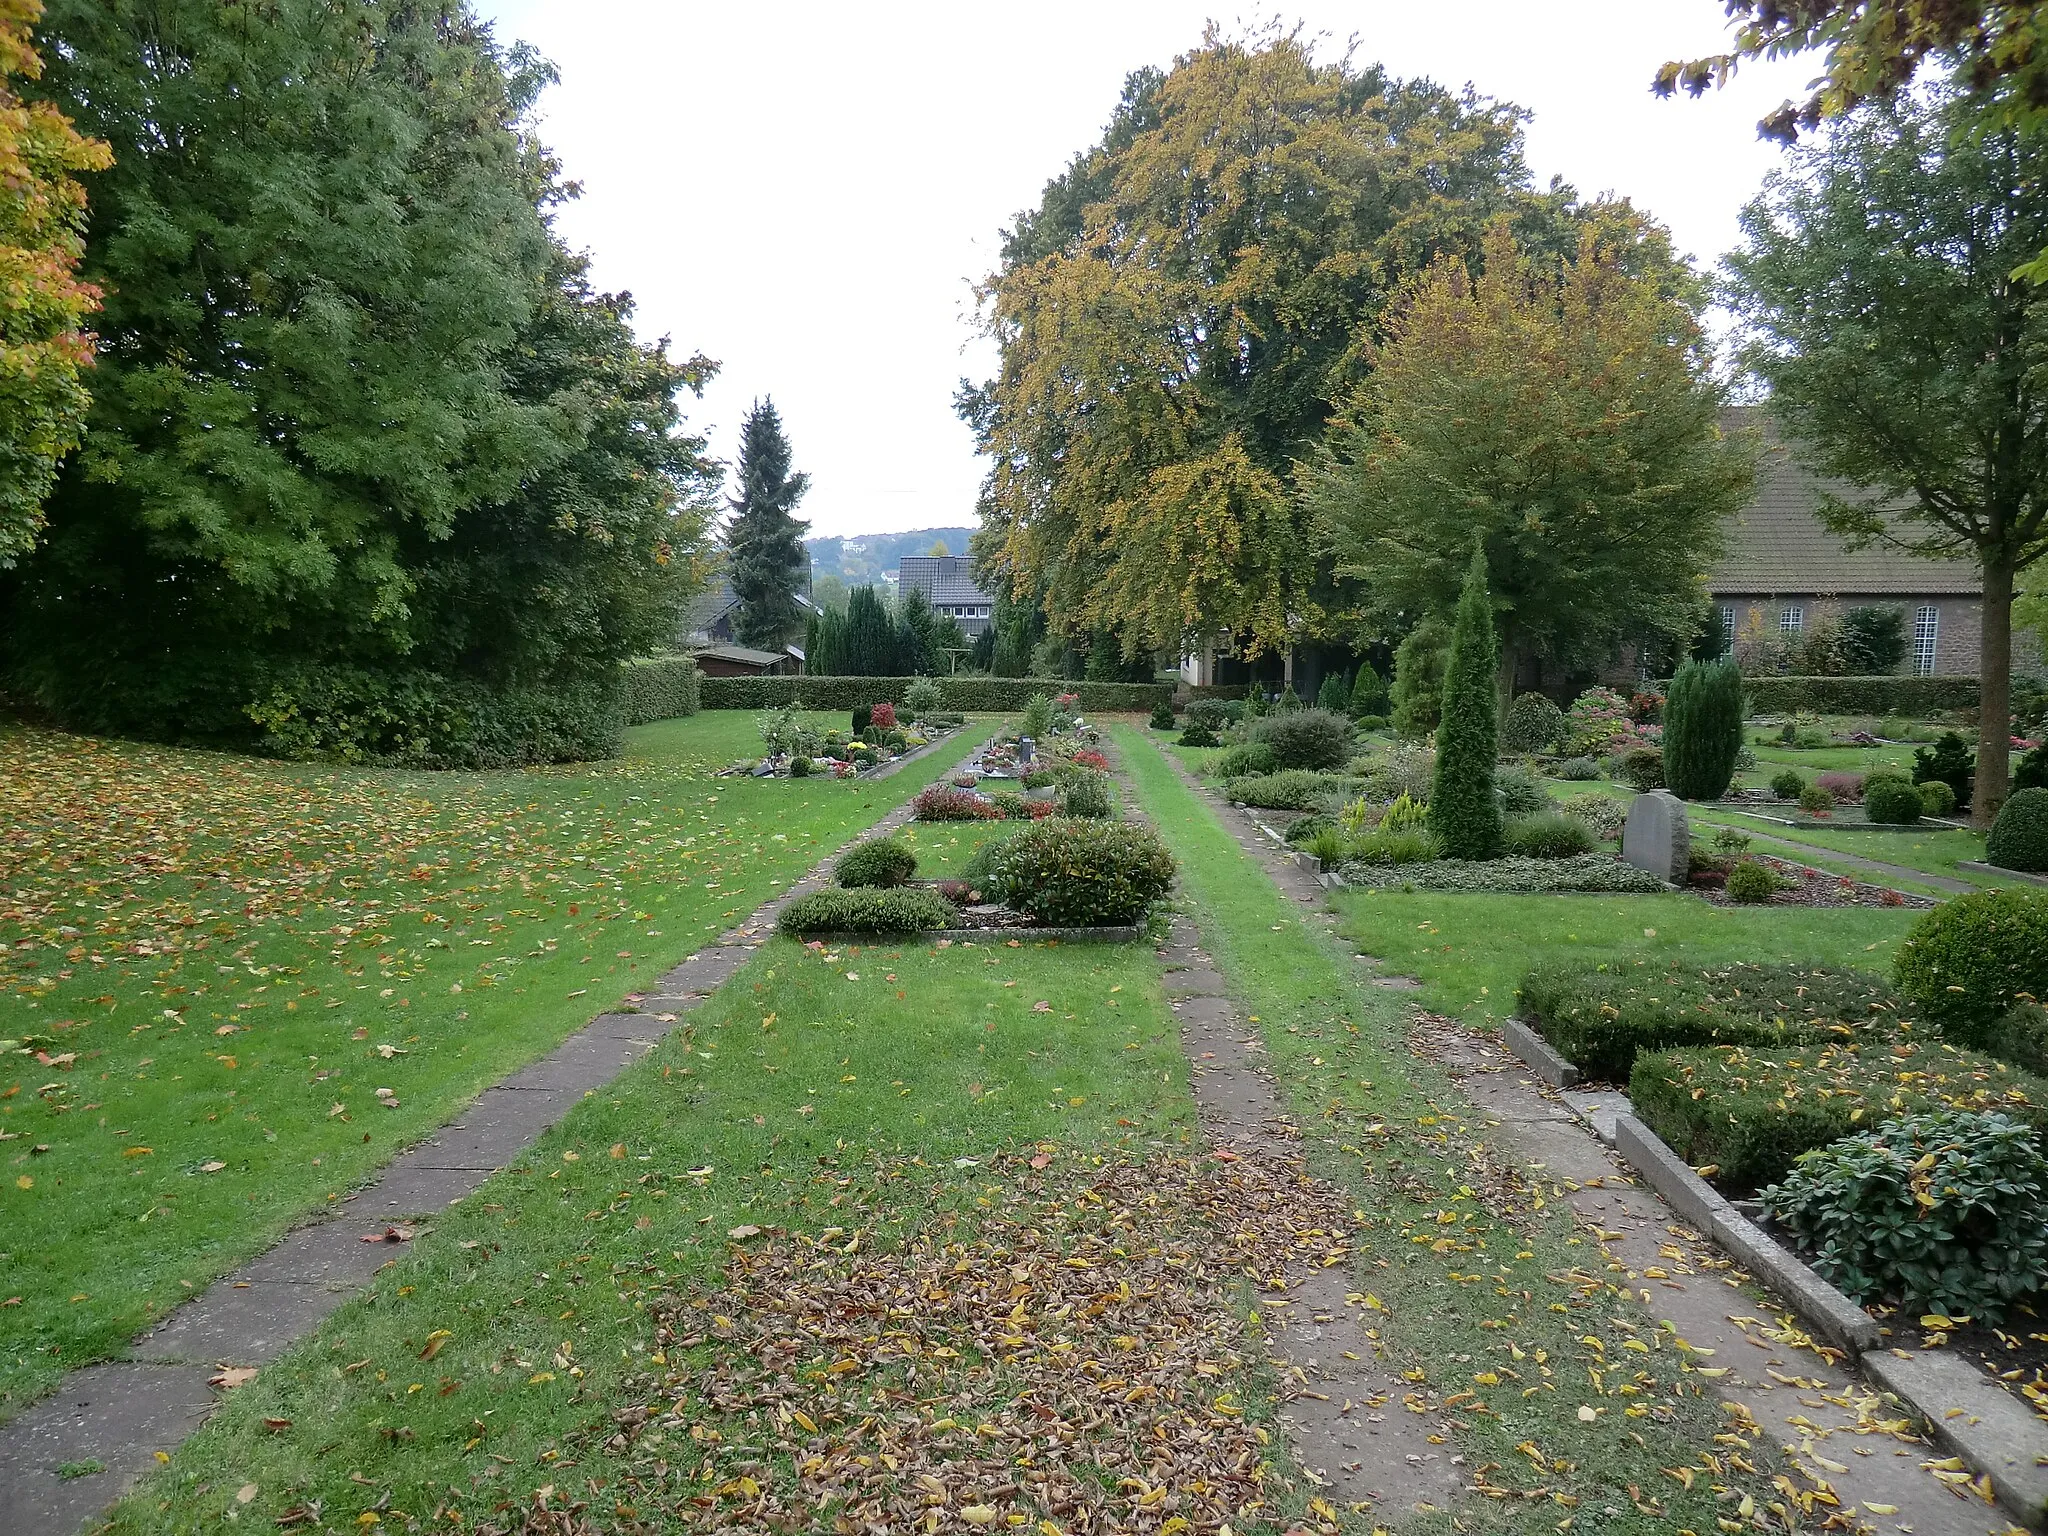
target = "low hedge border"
x: 1908, y: 696
x: 1747, y: 1113
x: 662, y: 688
x: 983, y: 695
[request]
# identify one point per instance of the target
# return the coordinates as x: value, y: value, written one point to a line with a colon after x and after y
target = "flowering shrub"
x: 945, y: 802
x: 883, y: 717
x: 1598, y: 723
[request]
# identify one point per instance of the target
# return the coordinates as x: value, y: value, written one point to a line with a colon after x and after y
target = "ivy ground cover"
x: 210, y: 966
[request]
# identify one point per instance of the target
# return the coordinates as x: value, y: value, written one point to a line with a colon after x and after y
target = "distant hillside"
x: 863, y: 561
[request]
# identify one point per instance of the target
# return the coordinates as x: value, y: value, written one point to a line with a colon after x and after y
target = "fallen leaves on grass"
x: 1075, y: 1359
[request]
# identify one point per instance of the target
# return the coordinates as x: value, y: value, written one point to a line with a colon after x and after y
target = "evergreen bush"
x: 1787, y: 783
x: 1642, y: 768
x: 1948, y: 760
x: 1246, y: 757
x: 1891, y: 802
x: 1369, y: 692
x: 867, y: 909
x: 1937, y: 799
x: 1533, y: 723
x: 1752, y: 883
x: 1087, y: 796
x: 1816, y: 799
x: 1417, y: 694
x: 1196, y: 734
x: 1306, y: 738
x: 1549, y: 835
x: 1578, y: 769
x: 1162, y: 715
x: 2019, y: 838
x: 1464, y: 812
x: 1936, y: 1213
x: 1967, y: 962
x: 1703, y: 729
x: 1520, y: 793
x: 1335, y: 694
x: 2030, y: 772
x: 878, y: 861
x: 662, y: 688
x: 1082, y: 873
x: 1292, y: 789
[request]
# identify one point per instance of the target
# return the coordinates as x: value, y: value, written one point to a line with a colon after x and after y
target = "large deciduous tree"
x: 1876, y: 297
x: 44, y: 346
x: 765, y: 541
x: 1563, y: 415
x: 1178, y: 313
x: 361, y: 430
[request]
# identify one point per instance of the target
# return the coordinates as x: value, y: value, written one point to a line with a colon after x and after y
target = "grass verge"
x: 208, y: 965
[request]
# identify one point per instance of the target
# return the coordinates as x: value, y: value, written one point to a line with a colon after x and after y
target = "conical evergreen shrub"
x: 1463, y: 811
x: 1702, y: 729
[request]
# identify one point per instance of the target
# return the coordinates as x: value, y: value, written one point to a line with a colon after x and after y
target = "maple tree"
x: 1878, y: 301
x: 1563, y: 414
x: 1176, y: 316
x: 44, y: 346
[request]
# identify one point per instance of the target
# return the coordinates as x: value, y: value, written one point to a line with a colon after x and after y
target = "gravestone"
x: 1657, y: 838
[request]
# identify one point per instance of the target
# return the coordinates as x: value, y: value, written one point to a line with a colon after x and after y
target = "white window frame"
x: 1727, y: 628
x: 1926, y: 638
x: 1792, y: 619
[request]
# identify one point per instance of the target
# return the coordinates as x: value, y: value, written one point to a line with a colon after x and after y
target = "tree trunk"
x: 1510, y: 660
x: 1994, y: 706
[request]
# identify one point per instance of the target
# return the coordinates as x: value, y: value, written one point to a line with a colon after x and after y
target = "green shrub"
x: 1246, y: 757
x: 1729, y: 840
x: 1816, y: 798
x: 1393, y: 845
x: 1404, y: 814
x: 1642, y: 768
x: 880, y: 861
x: 1082, y: 873
x: 1196, y: 734
x: 1938, y: 1212
x: 1162, y: 715
x: 866, y: 909
x: 1752, y: 883
x: 1520, y: 793
x: 2018, y: 1036
x: 1372, y: 722
x: 1302, y: 828
x: 662, y: 688
x: 1937, y: 799
x: 1892, y: 802
x: 1087, y: 795
x: 1518, y: 876
x: 925, y: 698
x: 1217, y: 713
x: 1948, y: 760
x: 1417, y: 694
x: 1306, y: 738
x: 1703, y: 729
x: 1578, y: 769
x: 1369, y: 696
x: 2030, y: 772
x: 1605, y: 816
x: 1329, y: 845
x: 2019, y: 837
x: 1533, y: 723
x: 1788, y: 783
x: 1967, y: 962
x: 1335, y: 694
x: 799, y: 767
x: 1292, y: 789
x: 1464, y: 811
x: 1549, y: 835
x: 1751, y: 1113
x: 1036, y: 721
x: 1600, y: 1017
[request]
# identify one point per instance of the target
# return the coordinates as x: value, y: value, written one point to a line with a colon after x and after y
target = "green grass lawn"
x: 943, y: 848
x: 1455, y: 1266
x: 838, y: 1095
x: 209, y: 963
x: 1771, y: 757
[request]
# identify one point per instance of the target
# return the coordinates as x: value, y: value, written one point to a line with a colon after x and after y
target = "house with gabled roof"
x: 948, y: 583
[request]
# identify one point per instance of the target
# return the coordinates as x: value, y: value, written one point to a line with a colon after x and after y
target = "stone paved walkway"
x: 1818, y: 1412
x: 123, y: 1413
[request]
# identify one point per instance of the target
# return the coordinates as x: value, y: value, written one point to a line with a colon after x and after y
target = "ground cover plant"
x: 1467, y: 1278
x: 208, y: 965
x: 866, y: 909
x: 838, y: 1102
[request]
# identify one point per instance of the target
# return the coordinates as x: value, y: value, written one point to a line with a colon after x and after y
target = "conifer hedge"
x: 1463, y: 810
x: 1703, y: 729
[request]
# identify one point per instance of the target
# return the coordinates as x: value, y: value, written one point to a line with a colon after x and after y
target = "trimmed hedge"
x: 1600, y: 1020
x: 867, y: 909
x: 1913, y: 697
x: 1967, y: 962
x: 1750, y: 1112
x: 985, y: 695
x: 1291, y: 789
x: 2019, y: 838
x: 662, y: 688
x: 879, y: 862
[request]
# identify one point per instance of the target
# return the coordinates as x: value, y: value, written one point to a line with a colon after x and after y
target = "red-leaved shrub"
x: 943, y: 802
x: 883, y: 717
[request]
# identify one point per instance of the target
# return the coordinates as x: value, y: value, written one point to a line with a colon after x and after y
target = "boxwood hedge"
x: 989, y: 695
x: 867, y: 909
x: 662, y: 688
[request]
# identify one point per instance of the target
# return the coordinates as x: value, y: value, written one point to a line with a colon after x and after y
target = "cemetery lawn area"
x: 1470, y: 950
x: 1931, y: 850
x: 1451, y: 1249
x: 210, y: 964
x: 855, y: 1097
x: 943, y: 848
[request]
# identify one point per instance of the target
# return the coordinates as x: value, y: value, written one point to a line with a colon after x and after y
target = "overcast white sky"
x: 805, y: 191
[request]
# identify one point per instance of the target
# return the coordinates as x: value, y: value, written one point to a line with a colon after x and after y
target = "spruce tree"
x: 1464, y: 811
x: 765, y: 541
x: 1703, y: 729
x: 870, y: 636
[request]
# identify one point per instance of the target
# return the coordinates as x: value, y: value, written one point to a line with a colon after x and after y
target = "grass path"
x: 212, y: 966
x: 1484, y: 1292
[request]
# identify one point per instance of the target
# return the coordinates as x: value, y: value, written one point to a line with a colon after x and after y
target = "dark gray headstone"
x: 1657, y: 838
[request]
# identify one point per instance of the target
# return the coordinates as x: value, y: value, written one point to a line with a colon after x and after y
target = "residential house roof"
x: 942, y: 578
x: 742, y: 655
x: 1778, y: 544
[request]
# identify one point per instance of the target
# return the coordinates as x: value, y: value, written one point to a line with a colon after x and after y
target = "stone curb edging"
x: 123, y: 1413
x: 1536, y: 1051
x: 1971, y: 1416
x: 983, y: 935
x: 1977, y: 866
